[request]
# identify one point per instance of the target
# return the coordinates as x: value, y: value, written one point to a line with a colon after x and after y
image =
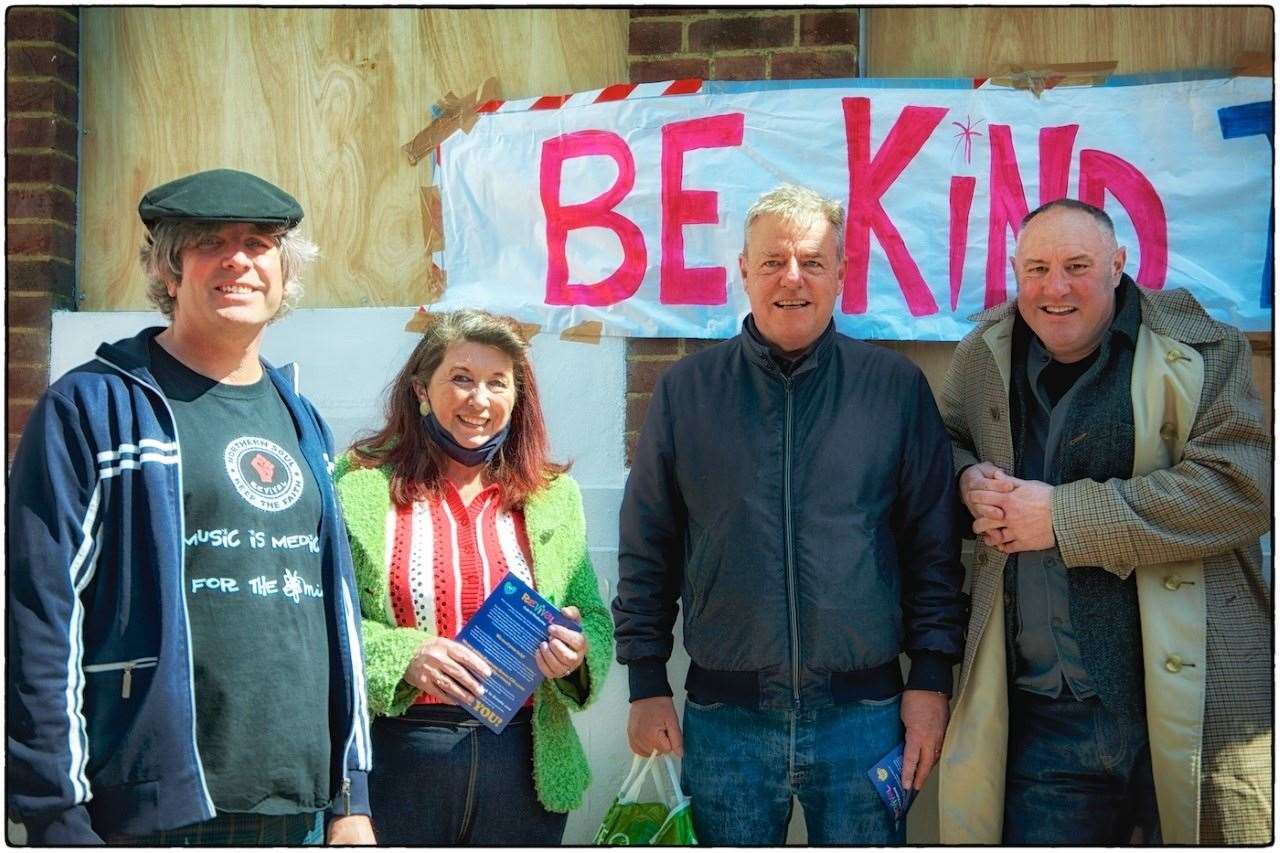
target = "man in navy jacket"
x: 183, y: 633
x: 791, y: 492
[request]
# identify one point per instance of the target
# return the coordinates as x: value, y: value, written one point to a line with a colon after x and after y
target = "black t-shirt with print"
x: 254, y: 594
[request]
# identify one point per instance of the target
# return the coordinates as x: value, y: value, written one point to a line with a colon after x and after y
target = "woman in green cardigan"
x: 450, y: 495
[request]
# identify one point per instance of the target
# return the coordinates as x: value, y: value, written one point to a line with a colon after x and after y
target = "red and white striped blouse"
x: 445, y: 557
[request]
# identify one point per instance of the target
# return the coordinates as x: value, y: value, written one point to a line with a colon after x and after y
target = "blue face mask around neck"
x: 469, y: 456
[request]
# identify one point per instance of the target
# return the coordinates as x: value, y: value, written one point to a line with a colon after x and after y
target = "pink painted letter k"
x: 869, y: 179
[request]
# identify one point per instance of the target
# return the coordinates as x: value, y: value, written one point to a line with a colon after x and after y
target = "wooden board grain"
x: 318, y: 101
x: 976, y: 41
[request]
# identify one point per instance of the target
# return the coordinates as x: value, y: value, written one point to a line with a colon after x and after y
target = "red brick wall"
x: 725, y: 44
x: 41, y: 131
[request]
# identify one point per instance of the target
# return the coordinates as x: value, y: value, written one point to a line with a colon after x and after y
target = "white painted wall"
x: 347, y: 357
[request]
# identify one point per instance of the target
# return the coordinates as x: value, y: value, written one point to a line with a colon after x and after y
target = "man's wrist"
x: 647, y: 678
x: 930, y: 671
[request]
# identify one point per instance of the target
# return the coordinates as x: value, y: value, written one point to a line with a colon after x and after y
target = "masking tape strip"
x: 432, y: 221
x: 1252, y: 63
x: 487, y: 91
x: 1038, y: 79
x: 586, y: 332
x: 450, y: 113
x: 437, y: 280
x: 420, y: 321
x: 423, y: 319
x: 436, y: 132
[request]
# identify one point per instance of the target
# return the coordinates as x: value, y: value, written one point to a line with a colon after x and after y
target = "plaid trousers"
x: 231, y: 829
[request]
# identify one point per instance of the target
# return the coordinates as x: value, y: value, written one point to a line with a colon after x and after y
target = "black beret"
x: 220, y: 195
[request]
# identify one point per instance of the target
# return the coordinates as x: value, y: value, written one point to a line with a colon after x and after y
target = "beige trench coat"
x: 1187, y: 523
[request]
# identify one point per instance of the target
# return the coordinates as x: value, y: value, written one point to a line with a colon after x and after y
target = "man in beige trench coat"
x: 1111, y: 449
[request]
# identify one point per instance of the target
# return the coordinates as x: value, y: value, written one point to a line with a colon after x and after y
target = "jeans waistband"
x: 1019, y: 694
x: 453, y: 716
x: 707, y: 686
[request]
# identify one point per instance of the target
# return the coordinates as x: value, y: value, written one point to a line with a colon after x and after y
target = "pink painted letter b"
x: 599, y: 212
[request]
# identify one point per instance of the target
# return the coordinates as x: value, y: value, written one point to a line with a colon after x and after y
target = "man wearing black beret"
x: 183, y: 635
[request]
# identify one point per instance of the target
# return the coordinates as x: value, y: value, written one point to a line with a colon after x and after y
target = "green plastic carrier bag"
x: 630, y: 822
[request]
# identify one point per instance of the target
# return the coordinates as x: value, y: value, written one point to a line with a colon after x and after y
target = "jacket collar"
x: 133, y: 355
x: 759, y: 353
x: 1179, y: 315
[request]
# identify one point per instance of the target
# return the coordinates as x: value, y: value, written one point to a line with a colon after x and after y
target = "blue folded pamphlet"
x: 506, y: 631
x: 886, y: 775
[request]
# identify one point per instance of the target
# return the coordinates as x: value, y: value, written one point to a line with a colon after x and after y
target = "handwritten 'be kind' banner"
x: 630, y: 212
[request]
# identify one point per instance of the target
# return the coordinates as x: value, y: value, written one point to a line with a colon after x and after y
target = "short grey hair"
x: 1098, y: 214
x: 797, y: 204
x: 161, y: 258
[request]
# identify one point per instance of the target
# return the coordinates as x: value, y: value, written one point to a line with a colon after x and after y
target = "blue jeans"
x: 1077, y: 774
x: 440, y: 778
x: 742, y: 766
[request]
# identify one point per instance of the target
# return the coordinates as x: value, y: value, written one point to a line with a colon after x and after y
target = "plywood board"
x: 316, y: 100
x: 974, y: 41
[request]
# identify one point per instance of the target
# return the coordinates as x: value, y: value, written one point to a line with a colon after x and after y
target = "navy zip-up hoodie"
x: 101, y: 702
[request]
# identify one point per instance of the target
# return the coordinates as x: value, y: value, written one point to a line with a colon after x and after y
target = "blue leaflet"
x: 886, y: 775
x: 506, y: 631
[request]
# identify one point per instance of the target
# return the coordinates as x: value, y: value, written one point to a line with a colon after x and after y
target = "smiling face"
x: 1067, y: 266
x: 231, y: 278
x: 792, y: 277
x: 472, y: 392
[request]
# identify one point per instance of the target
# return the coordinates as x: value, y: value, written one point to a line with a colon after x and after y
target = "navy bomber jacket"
x: 804, y: 523
x: 100, y: 705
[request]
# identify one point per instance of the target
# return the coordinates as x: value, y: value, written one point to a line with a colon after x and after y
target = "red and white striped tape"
x: 617, y: 92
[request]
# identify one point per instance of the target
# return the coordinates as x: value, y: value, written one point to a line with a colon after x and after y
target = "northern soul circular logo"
x: 263, y: 473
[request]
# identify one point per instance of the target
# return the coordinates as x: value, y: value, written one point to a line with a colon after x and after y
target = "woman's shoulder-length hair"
x: 522, y: 465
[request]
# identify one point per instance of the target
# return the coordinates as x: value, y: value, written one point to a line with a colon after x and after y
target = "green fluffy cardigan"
x: 562, y: 572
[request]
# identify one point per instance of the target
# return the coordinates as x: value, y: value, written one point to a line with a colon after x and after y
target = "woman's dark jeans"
x: 441, y: 778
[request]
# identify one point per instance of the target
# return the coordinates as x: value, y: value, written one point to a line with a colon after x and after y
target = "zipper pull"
x: 346, y: 796
x: 126, y: 683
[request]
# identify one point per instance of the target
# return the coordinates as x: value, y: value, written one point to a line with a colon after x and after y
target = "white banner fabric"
x: 630, y: 212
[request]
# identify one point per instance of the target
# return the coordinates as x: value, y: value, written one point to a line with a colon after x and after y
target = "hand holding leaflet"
x: 510, y: 631
x: 886, y: 776
x: 564, y: 650
x: 447, y: 670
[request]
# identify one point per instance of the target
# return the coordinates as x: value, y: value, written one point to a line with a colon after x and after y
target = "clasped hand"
x: 1010, y: 514
x: 451, y: 672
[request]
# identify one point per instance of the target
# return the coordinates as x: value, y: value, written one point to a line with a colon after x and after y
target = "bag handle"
x: 640, y: 769
x: 643, y: 768
x: 674, y: 779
